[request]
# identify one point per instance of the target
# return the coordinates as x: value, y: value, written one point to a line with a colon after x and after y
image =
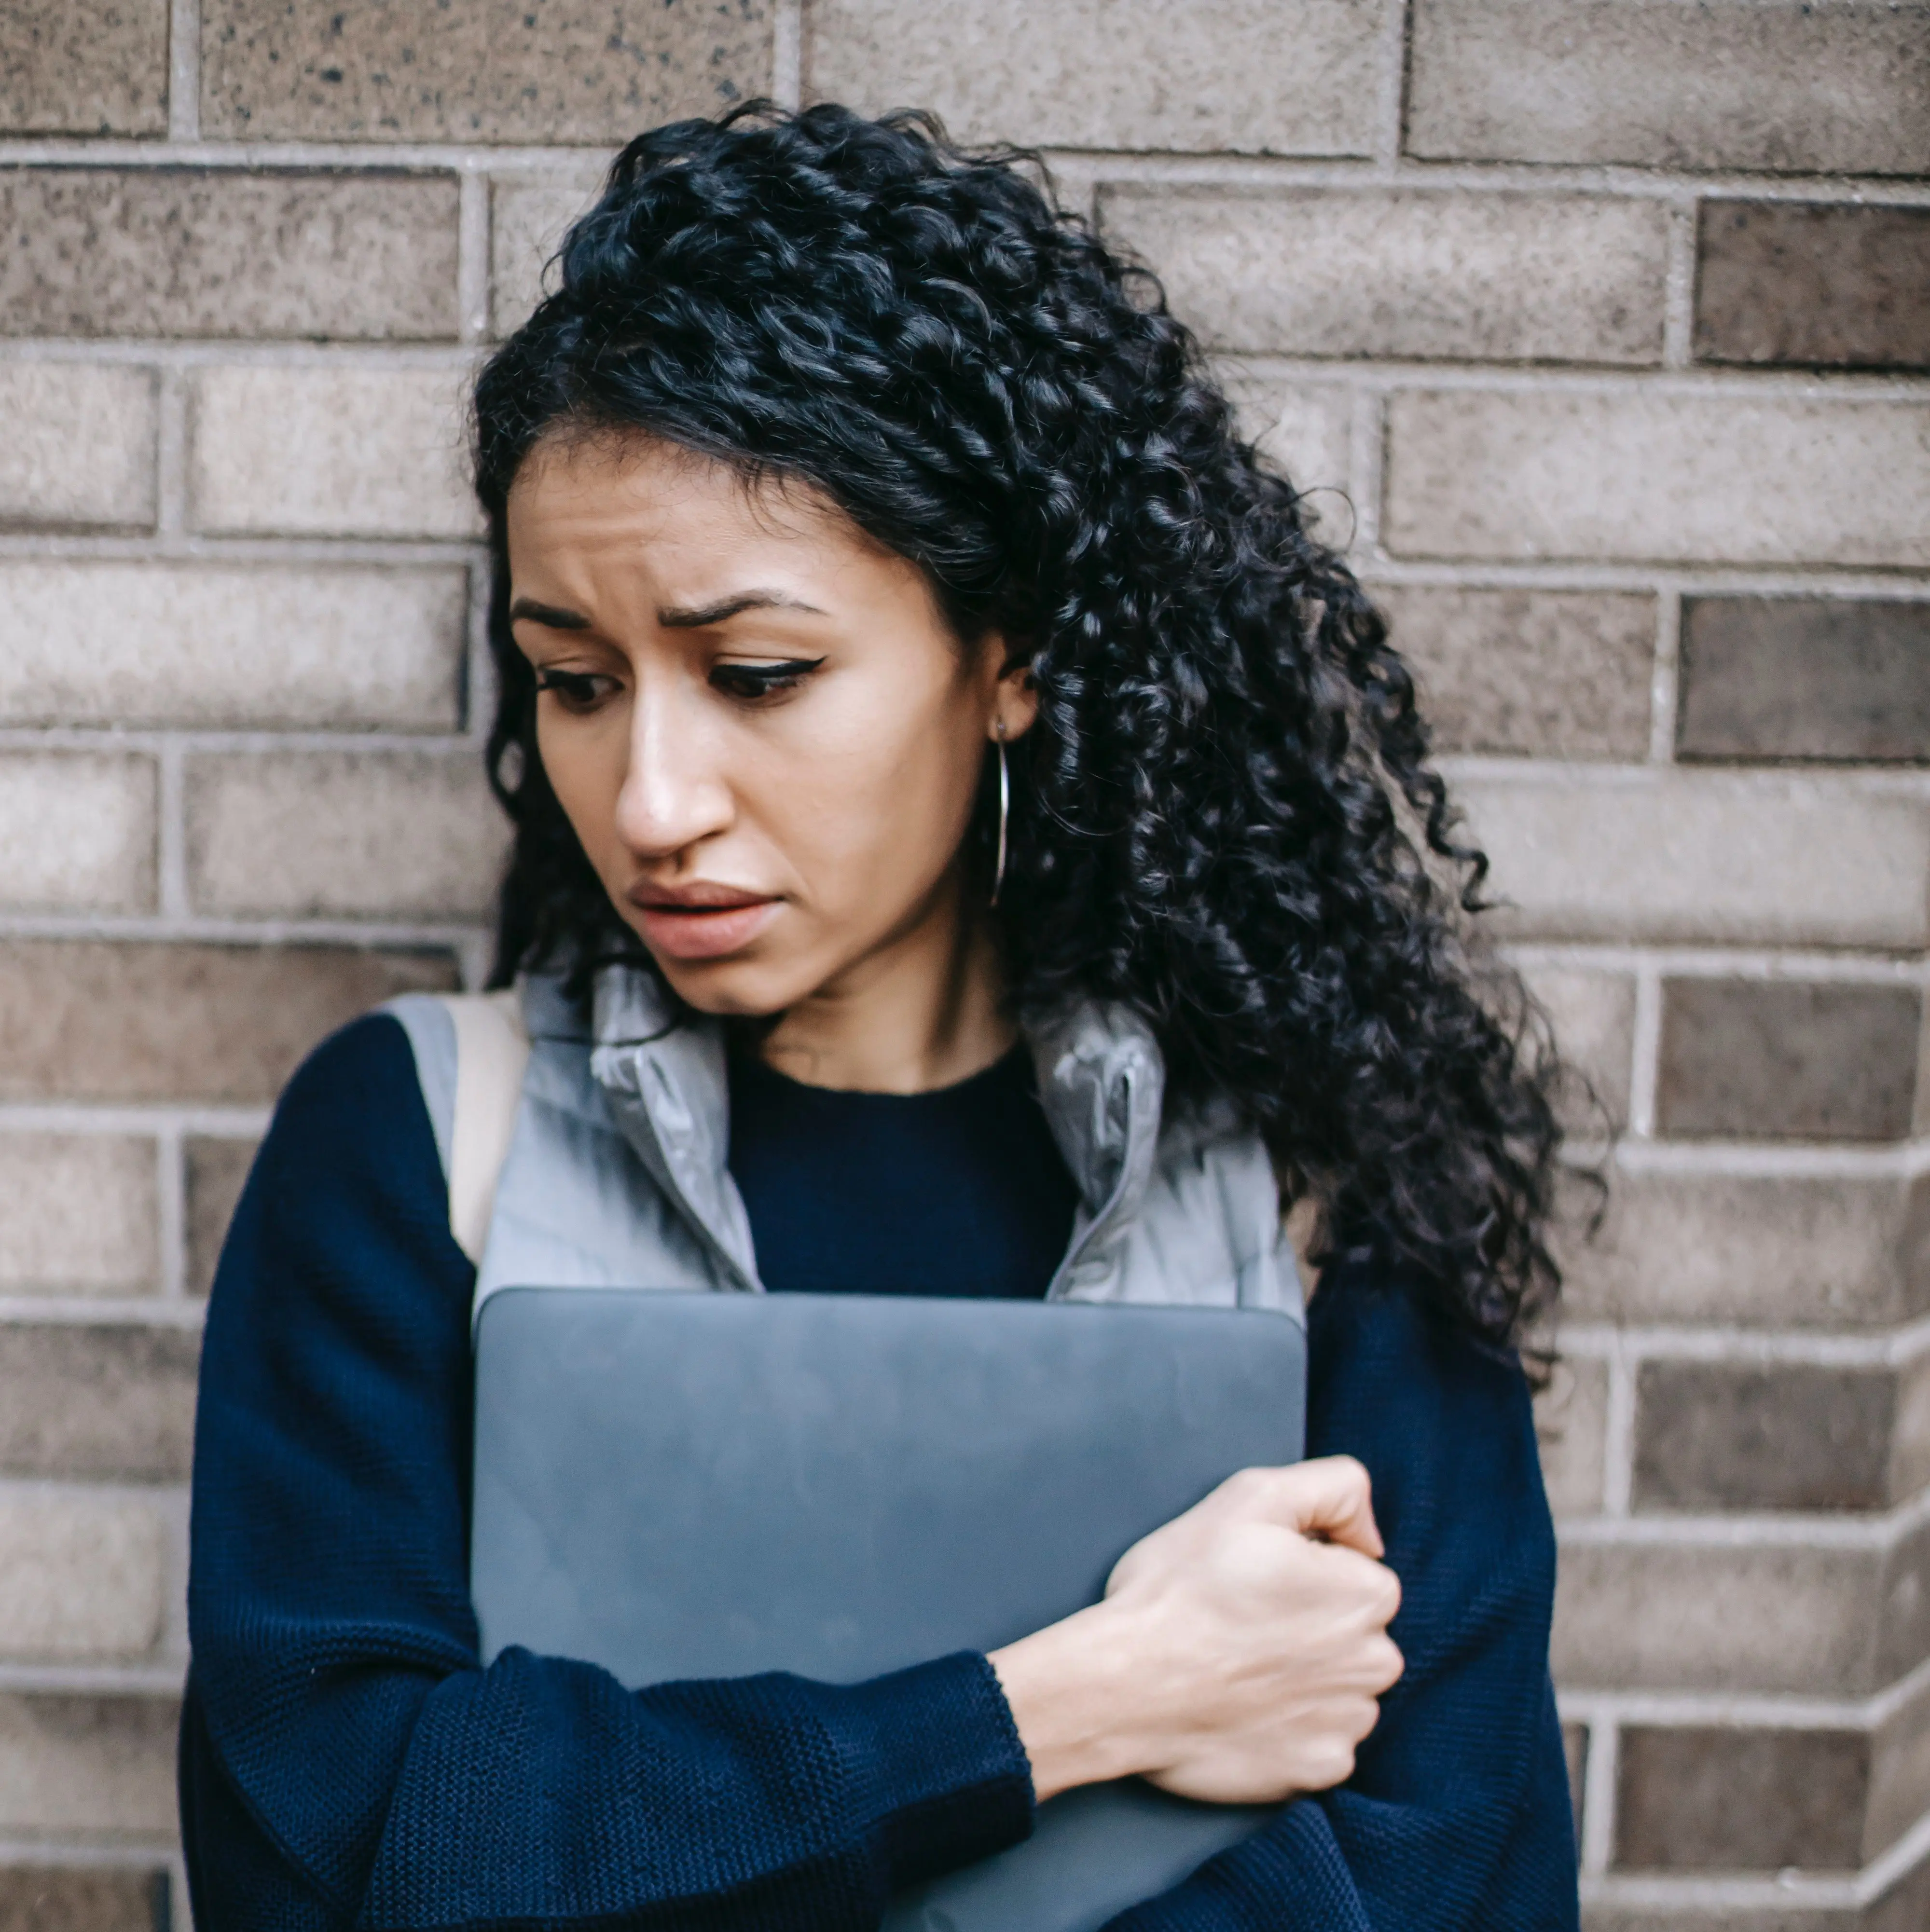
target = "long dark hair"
x: 1225, y: 816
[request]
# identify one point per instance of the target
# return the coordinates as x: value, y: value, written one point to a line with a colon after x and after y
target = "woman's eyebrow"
x: 549, y: 614
x: 699, y: 615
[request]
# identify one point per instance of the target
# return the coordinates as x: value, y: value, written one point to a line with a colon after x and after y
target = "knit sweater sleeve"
x: 346, y: 1760
x: 1457, y: 1817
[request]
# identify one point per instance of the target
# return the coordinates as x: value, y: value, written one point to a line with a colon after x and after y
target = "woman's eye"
x: 749, y: 682
x: 576, y: 690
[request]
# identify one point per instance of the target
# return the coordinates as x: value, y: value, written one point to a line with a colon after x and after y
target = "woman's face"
x: 759, y: 724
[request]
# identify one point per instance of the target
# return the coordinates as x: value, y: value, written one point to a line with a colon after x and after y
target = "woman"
x: 898, y: 652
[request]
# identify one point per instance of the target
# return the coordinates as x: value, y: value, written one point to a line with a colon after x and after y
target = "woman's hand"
x: 1238, y: 1656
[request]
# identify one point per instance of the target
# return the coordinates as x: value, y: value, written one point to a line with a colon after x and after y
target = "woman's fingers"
x: 1330, y: 1497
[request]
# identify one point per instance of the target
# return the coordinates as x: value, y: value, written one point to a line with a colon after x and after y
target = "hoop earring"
x: 1004, y: 813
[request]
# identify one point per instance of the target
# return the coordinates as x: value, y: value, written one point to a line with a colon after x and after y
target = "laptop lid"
x: 676, y: 1485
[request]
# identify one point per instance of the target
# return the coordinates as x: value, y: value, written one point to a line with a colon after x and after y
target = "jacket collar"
x: 1101, y: 1081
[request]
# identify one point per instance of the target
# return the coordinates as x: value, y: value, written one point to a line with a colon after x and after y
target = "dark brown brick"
x: 1767, y: 678
x: 219, y: 252
x: 100, y: 1399
x: 1694, y: 1800
x: 1713, y: 1436
x: 217, y: 1171
x: 1824, y: 286
x: 568, y: 71
x: 1755, y: 1059
x: 83, y: 67
x: 70, y: 1898
x: 1546, y: 674
x: 84, y: 1019
x: 83, y: 1765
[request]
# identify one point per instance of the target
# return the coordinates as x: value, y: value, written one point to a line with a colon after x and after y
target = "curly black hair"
x: 1220, y: 818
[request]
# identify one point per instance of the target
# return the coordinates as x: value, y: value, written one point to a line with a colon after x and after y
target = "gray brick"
x: 527, y: 220
x: 83, y: 1578
x: 1706, y: 855
x: 1593, y: 1015
x: 390, y: 833
x: 87, y: 1764
x: 1825, y: 286
x: 1304, y: 431
x: 1571, y: 1422
x: 1778, y: 85
x: 78, y: 453
x: 1499, y: 277
x: 1775, y: 1252
x: 1768, y: 678
x: 335, y: 451
x: 1703, y: 1800
x: 1632, y: 473
x: 217, y: 252
x: 1274, y: 76
x: 1544, y: 673
x: 1744, y: 1059
x: 1720, y: 1435
x: 83, y: 1898
x: 1899, y: 1792
x: 85, y: 1019
x: 106, y: 1400
x: 224, y: 645
x: 569, y: 70
x: 84, y: 66
x: 81, y: 833
x: 78, y: 1214
x: 217, y: 1171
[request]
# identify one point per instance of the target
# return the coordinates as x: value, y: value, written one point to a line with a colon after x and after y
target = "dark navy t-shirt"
x: 961, y: 1191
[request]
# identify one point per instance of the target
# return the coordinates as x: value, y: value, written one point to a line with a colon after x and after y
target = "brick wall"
x: 1597, y: 319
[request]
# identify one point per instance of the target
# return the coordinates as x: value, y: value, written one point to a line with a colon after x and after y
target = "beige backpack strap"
x: 492, y: 1050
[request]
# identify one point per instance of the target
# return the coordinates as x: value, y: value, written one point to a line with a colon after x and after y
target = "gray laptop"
x: 676, y: 1485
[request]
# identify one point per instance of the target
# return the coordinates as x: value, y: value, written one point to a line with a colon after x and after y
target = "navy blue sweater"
x: 346, y: 1762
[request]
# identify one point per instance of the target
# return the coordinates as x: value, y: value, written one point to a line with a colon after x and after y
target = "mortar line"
x: 214, y: 929
x: 184, y: 72
x: 473, y: 276
x: 1709, y: 1342
x: 1665, y: 676
x: 1618, y: 1444
x: 171, y: 831
x: 1704, y: 1710
x: 171, y: 1220
x: 172, y: 432
x: 787, y: 53
x: 1367, y: 458
x: 1599, y: 1770
x: 1646, y: 1052
x: 1392, y: 101
x: 1679, y: 285
x: 1719, y: 960
x: 69, y: 1311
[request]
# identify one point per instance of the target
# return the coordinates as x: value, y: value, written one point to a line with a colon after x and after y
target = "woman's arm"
x: 345, y: 1760
x: 1457, y: 1816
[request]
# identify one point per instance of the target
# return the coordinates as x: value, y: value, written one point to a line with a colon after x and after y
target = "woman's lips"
x: 702, y: 931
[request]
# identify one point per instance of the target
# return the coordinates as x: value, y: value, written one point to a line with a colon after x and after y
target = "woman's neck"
x: 926, y: 1009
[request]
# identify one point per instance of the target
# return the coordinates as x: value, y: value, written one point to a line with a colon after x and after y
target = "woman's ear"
x: 1016, y: 699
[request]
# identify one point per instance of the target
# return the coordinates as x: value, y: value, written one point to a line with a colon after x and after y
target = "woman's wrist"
x: 1069, y: 1690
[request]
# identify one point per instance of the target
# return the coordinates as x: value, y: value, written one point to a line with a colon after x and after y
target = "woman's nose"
x: 673, y: 795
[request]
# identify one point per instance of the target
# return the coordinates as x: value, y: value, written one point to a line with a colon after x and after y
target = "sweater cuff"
x: 954, y: 1782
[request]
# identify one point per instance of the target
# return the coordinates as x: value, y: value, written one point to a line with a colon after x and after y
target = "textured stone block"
x: 1571, y: 1423
x: 83, y: 1898
x: 227, y: 645
x: 1827, y: 286
x: 78, y: 1214
x: 80, y: 832
x: 1899, y: 1787
x: 1574, y: 1752
x: 1805, y: 677
x: 220, y: 252
x: 1593, y: 1015
x: 1772, y: 1251
x: 1702, y: 856
x: 1700, y: 1800
x: 1303, y: 430
x: 1490, y: 277
x: 340, y: 451
x: 1776, y: 1059
x: 1667, y: 1616
x: 1679, y: 477
x: 390, y: 833
x: 83, y: 1764
x: 84, y: 66
x: 78, y: 453
x: 1791, y: 1435
x: 82, y: 1577
x: 217, y: 1171
x: 568, y: 70
x: 1778, y: 85
x: 85, y: 1019
x: 1545, y: 673
x: 527, y: 222
x: 108, y: 1400
x: 1271, y: 76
